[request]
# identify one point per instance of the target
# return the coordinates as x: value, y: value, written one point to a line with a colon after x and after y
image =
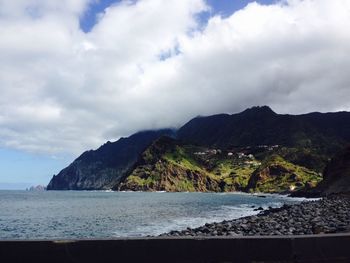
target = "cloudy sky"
x: 74, y: 74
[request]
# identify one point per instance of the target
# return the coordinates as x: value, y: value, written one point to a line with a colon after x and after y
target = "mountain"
x: 255, y: 150
x: 105, y: 167
x: 308, y: 139
x: 262, y: 126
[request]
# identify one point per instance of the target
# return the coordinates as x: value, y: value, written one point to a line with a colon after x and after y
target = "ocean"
x: 98, y: 214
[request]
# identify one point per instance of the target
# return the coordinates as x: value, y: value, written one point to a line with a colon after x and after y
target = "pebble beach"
x: 322, y: 216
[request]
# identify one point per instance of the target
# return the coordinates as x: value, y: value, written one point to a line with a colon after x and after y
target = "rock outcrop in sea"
x: 37, y: 188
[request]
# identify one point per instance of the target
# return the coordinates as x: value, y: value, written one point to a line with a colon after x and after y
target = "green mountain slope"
x: 167, y: 166
x: 276, y: 175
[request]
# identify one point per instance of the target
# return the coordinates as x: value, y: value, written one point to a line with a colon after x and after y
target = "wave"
x: 223, y: 212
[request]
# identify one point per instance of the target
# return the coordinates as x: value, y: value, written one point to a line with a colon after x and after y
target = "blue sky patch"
x: 219, y: 7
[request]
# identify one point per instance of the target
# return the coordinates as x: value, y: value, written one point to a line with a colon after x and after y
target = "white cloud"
x: 63, y: 90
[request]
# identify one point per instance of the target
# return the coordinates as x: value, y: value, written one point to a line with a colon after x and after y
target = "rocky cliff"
x: 336, y: 175
x: 166, y: 166
x: 105, y: 167
x: 277, y: 175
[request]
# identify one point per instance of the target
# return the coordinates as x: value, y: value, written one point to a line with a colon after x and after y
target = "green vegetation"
x: 311, y: 158
x: 233, y: 174
x: 169, y: 165
x: 179, y: 156
x: 276, y: 175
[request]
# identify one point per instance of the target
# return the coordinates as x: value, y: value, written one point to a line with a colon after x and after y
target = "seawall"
x: 311, y: 248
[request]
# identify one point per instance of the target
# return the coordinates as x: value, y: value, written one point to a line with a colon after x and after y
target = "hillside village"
x: 242, y: 155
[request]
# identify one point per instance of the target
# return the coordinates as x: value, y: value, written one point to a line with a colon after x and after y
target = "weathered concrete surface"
x: 314, y: 248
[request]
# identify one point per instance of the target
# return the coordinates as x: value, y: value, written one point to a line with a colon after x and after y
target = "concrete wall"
x: 317, y: 248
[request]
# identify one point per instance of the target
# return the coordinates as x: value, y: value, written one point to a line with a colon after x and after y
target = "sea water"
x: 95, y: 214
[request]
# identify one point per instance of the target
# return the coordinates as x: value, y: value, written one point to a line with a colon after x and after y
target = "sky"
x: 75, y: 74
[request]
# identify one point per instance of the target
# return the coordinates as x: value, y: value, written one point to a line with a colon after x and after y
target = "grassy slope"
x: 166, y: 166
x: 171, y: 166
x: 232, y: 173
x: 277, y: 175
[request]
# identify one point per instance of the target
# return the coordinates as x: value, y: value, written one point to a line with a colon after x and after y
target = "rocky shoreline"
x: 327, y: 215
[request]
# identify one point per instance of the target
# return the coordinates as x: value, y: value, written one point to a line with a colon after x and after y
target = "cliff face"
x: 276, y: 175
x: 105, y: 167
x: 167, y: 176
x: 336, y: 175
x: 165, y: 166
